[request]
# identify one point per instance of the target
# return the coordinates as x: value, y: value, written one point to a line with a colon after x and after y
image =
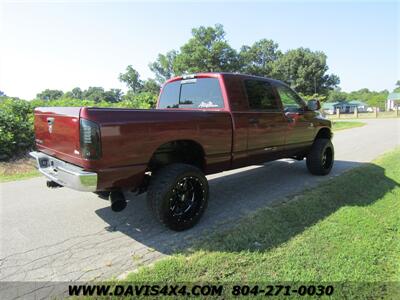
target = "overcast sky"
x: 63, y: 45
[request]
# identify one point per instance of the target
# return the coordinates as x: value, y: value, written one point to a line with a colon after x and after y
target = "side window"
x: 169, y: 97
x: 290, y: 100
x: 260, y: 95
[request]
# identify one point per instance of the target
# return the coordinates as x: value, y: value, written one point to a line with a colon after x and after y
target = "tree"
x: 372, y: 98
x: 151, y: 86
x: 163, y: 67
x: 94, y: 93
x: 337, y: 95
x: 50, y: 94
x: 397, y: 89
x: 320, y: 98
x: 2, y: 94
x: 206, y: 51
x: 113, y: 95
x: 77, y: 93
x: 132, y: 79
x: 258, y: 59
x: 305, y: 71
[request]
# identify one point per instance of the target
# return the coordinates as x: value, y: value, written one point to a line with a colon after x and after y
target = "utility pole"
x: 315, y: 84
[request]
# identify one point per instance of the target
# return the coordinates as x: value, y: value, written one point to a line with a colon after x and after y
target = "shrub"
x: 142, y: 100
x: 16, y: 127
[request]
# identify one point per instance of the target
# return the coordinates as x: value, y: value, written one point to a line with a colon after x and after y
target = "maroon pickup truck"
x: 204, y: 123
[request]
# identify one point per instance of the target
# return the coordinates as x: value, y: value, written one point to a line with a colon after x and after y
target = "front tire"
x: 178, y: 195
x: 321, y: 157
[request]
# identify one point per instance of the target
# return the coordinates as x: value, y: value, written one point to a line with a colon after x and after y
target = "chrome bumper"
x: 64, y: 173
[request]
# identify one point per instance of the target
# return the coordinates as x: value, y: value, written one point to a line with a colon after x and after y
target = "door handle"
x: 253, y: 121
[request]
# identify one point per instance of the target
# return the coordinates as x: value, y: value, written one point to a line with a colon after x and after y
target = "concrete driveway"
x: 63, y: 235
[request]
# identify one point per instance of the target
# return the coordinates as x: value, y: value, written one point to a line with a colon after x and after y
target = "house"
x: 329, y: 107
x: 344, y: 107
x: 393, y: 101
x: 361, y: 106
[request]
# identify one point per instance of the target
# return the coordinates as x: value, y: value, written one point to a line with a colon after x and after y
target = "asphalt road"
x: 62, y: 235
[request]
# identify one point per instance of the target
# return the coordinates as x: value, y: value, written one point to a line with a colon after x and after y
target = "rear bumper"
x: 64, y: 173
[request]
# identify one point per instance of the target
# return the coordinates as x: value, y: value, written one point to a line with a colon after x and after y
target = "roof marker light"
x: 188, y: 76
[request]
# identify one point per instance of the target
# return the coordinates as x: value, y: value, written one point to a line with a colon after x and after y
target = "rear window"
x: 192, y: 93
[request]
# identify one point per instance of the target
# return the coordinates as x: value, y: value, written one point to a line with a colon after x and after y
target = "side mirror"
x: 313, y: 105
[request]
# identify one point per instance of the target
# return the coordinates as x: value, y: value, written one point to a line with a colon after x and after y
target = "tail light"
x: 90, y: 139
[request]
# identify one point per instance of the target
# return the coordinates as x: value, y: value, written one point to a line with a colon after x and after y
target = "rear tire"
x: 321, y: 157
x: 178, y: 195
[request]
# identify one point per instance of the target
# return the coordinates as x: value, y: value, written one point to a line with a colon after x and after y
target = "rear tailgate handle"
x: 50, y: 121
x: 253, y: 121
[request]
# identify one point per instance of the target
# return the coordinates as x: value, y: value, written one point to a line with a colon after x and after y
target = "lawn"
x: 18, y: 169
x: 340, y: 125
x: 347, y: 230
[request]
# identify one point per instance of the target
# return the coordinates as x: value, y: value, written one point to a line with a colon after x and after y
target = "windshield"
x: 192, y: 93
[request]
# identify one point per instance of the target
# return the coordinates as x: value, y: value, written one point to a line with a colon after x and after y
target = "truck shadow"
x: 241, y: 192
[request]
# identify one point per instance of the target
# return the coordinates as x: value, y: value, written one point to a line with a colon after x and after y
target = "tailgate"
x: 57, y: 131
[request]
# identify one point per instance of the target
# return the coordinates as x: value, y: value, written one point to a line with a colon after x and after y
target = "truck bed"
x: 129, y: 137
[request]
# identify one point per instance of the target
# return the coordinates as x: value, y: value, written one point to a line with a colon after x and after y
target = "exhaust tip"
x: 117, y: 201
x: 52, y: 184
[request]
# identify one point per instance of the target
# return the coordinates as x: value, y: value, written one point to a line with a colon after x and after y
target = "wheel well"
x: 324, y: 133
x: 181, y: 151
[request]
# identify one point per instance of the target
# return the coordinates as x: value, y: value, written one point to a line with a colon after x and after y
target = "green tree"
x: 94, y: 93
x: 397, y: 88
x: 77, y: 93
x: 50, y: 94
x: 163, y: 67
x: 320, y: 98
x: 337, y: 95
x: 206, y: 51
x: 151, y: 86
x: 372, y: 98
x: 132, y: 79
x: 305, y: 71
x: 113, y: 95
x: 258, y: 59
x: 2, y: 94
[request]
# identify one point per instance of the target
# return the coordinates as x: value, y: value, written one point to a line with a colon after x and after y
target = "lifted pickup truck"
x: 204, y: 123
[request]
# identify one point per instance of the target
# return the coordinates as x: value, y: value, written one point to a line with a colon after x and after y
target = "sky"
x: 62, y: 45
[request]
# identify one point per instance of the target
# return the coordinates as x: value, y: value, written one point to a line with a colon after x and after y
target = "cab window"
x: 291, y: 102
x: 260, y: 95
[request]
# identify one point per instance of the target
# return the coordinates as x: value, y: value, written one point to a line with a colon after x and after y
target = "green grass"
x: 19, y: 176
x: 345, y: 230
x: 20, y: 169
x: 340, y: 125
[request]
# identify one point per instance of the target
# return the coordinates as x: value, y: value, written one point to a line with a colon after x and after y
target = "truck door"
x: 266, y: 123
x: 300, y: 129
